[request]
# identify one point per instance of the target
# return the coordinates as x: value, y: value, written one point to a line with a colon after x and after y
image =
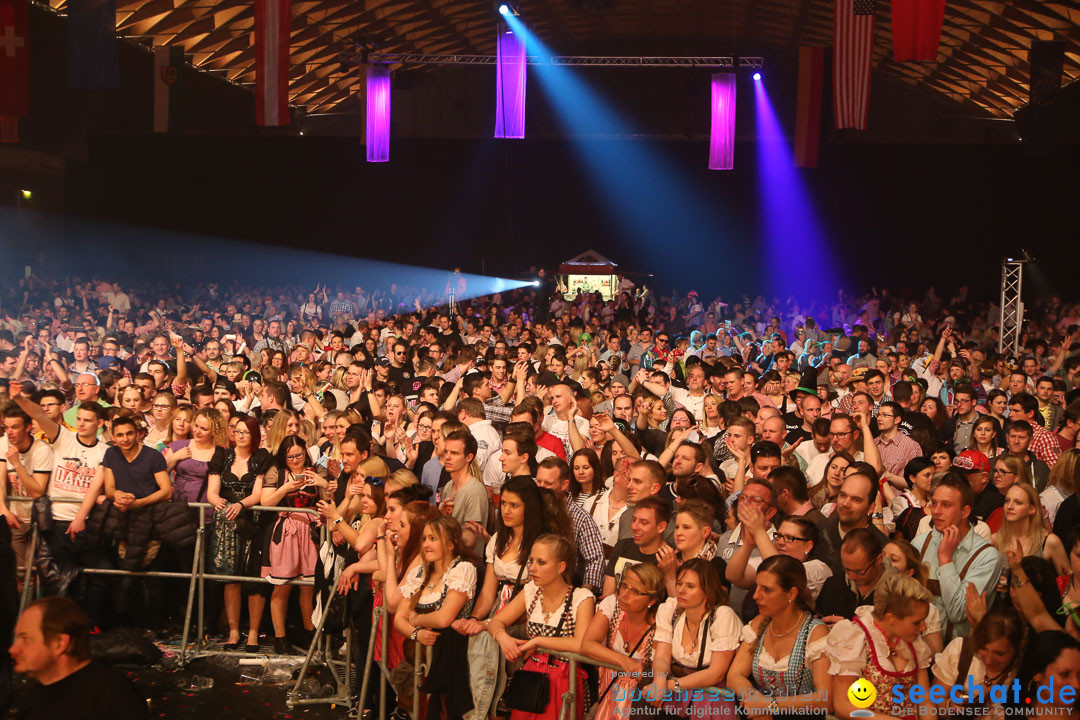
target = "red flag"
x: 272, y: 19
x: 853, y: 46
x: 916, y: 29
x: 14, y: 58
x: 808, y: 106
x: 9, y: 129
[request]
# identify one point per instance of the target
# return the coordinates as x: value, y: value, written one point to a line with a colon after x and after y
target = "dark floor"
x: 236, y: 693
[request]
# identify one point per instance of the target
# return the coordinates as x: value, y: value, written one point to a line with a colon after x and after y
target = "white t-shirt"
x: 74, y: 467
x: 561, y: 429
x: 695, y: 405
x: 38, y: 458
x: 725, y: 633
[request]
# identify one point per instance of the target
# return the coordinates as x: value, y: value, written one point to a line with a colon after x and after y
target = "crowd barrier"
x: 320, y: 644
x: 195, y: 608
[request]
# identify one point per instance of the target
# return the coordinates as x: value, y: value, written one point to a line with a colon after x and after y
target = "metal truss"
x: 575, y: 60
x: 1012, y: 306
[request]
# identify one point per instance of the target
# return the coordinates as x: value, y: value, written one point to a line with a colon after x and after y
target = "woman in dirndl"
x: 519, y: 522
x: 292, y: 482
x: 883, y: 645
x: 557, y: 615
x: 621, y: 633
x: 781, y: 668
x: 697, y: 635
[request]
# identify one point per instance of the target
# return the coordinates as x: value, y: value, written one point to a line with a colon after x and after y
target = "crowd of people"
x: 743, y: 506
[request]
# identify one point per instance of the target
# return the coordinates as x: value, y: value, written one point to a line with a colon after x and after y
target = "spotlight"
x: 504, y: 9
x: 27, y: 194
x: 536, y: 283
x: 757, y: 76
x: 508, y: 8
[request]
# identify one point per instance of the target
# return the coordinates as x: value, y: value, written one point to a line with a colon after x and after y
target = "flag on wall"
x: 808, y: 106
x: 272, y: 18
x: 92, y: 44
x: 14, y: 58
x: 916, y: 29
x: 853, y: 46
x: 168, y: 59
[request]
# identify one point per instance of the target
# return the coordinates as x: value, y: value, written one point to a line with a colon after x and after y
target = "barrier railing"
x: 197, y: 578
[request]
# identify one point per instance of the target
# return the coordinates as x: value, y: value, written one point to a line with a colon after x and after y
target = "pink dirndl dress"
x: 292, y: 551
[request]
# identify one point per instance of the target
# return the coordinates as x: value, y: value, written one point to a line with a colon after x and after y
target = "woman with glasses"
x: 521, y: 520
x: 234, y: 484
x: 883, y: 645
x: 795, y: 538
x: 1008, y: 471
x: 697, y: 635
x: 162, y: 409
x: 781, y: 667
x: 622, y: 633
x: 420, y: 434
x: 291, y: 482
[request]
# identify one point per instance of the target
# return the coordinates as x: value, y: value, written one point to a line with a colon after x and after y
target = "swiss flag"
x: 14, y: 58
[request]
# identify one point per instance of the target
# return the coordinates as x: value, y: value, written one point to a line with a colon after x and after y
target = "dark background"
x: 934, y: 193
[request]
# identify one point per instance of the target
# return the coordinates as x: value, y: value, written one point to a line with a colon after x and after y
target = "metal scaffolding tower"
x: 1012, y: 304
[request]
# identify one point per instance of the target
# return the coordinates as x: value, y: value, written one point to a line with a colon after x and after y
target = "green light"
x: 27, y: 194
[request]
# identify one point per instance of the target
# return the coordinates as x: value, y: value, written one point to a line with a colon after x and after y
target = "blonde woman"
x: 1024, y: 524
x: 191, y: 459
x: 711, y: 424
x: 1062, y: 482
x: 179, y: 429
x: 162, y: 409
x: 284, y: 424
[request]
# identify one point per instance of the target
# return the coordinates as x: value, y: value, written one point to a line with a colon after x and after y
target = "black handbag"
x: 529, y: 690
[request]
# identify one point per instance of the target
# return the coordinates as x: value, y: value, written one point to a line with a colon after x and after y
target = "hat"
x: 857, y: 375
x: 383, y: 362
x: 971, y: 461
x: 223, y: 382
x: 807, y: 384
x: 546, y: 379
x: 620, y: 378
x: 253, y: 376
x: 107, y: 361
x: 623, y: 426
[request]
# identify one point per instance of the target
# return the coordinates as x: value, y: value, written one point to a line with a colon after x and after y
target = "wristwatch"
x: 335, y: 521
x: 677, y: 687
x: 877, y: 516
x: 415, y: 632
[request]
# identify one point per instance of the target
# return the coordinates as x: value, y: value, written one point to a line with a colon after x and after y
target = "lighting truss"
x: 1012, y: 305
x: 575, y: 60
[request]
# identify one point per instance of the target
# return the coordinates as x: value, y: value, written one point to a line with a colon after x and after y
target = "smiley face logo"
x: 862, y: 693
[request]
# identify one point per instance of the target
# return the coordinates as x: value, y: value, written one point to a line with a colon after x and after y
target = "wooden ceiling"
x: 982, y: 60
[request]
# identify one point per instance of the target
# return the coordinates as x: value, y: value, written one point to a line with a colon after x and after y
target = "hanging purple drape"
x: 510, y: 85
x: 378, y: 113
x: 722, y: 133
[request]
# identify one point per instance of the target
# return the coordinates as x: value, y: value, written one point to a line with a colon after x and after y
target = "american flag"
x: 853, y: 45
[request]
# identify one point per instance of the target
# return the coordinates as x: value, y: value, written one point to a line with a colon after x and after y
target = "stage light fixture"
x: 27, y: 194
x: 508, y: 8
x: 757, y: 76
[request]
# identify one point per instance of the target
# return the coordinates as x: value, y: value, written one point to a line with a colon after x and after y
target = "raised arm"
x: 35, y: 411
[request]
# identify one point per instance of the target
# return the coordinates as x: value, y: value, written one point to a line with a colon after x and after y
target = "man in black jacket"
x: 863, y: 567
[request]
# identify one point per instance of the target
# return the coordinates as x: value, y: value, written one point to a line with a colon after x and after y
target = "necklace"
x: 778, y: 635
x: 697, y: 631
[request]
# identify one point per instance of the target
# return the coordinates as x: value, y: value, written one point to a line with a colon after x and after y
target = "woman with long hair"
x: 441, y: 591
x: 1023, y: 523
x: 828, y: 490
x: 697, y: 635
x: 919, y: 473
x: 711, y: 423
x: 796, y: 537
x: 586, y: 480
x: 1062, y: 482
x: 285, y: 423
x: 989, y: 656
x: 162, y: 408
x: 556, y: 616
x: 291, y: 482
x: 607, y: 509
x: 905, y: 560
x: 179, y: 429
x: 234, y: 485
x: 1051, y: 663
x: 520, y: 521
x: 883, y: 645
x: 622, y: 633
x: 934, y: 409
x: 190, y: 459
x: 781, y: 667
x: 984, y: 436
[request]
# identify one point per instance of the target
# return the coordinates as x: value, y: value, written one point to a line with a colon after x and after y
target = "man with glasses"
x: 861, y: 569
x: 400, y: 374
x: 760, y: 495
x: 87, y: 389
x: 955, y: 555
x: 846, y: 434
x: 896, y: 448
x: 962, y: 422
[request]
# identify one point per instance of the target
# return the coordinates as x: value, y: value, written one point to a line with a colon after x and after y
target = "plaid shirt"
x: 337, y: 307
x: 497, y: 411
x: 1044, y: 445
x: 896, y: 453
x: 589, y: 544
